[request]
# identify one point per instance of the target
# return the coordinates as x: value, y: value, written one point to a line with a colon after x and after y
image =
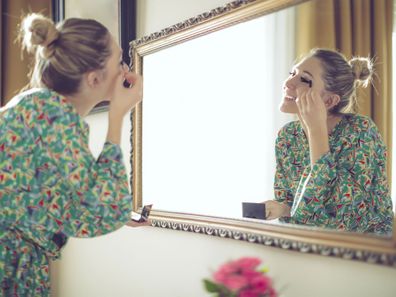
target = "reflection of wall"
x: 151, y: 262
x: 216, y: 126
x: 104, y: 11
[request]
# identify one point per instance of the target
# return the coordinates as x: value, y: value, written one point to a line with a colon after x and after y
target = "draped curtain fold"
x: 355, y: 28
x: 14, y: 67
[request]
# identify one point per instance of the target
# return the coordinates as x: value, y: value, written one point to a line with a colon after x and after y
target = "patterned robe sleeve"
x: 282, y: 188
x: 351, y: 194
x: 98, y: 190
x: 88, y: 197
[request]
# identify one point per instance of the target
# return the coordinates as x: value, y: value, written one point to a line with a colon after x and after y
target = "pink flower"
x: 237, y: 274
x: 248, y: 293
x: 235, y: 282
x: 272, y: 292
x: 241, y: 277
x: 260, y: 283
x: 248, y: 263
x: 251, y: 274
x: 253, y: 292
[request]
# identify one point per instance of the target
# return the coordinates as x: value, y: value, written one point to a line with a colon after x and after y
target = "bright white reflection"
x: 210, y: 117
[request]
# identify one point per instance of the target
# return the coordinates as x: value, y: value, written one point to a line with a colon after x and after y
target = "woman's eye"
x: 307, y: 81
x: 292, y: 73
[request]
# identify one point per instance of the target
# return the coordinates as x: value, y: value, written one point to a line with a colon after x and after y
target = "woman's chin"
x: 286, y: 107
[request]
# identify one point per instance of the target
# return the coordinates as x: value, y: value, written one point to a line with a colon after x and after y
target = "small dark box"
x: 253, y: 210
x: 144, y: 215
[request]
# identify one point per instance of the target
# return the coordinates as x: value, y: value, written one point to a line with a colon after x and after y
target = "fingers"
x: 132, y: 223
x: 317, y: 100
x: 301, y: 100
x: 313, y: 99
x: 268, y: 214
x: 133, y: 78
x: 271, y: 215
x: 274, y: 210
x: 269, y: 210
x: 126, y: 97
x: 307, y: 101
x: 135, y: 82
x: 125, y: 68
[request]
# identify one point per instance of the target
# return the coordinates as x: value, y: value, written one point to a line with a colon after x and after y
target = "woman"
x: 51, y: 186
x: 330, y: 163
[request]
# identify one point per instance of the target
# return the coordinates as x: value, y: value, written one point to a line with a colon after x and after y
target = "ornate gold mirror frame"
x: 308, y: 240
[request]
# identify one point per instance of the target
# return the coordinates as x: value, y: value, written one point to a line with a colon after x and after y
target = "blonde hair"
x: 342, y: 77
x: 63, y: 53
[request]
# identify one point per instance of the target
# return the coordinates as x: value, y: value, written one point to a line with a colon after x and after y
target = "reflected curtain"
x: 355, y: 28
x: 14, y: 66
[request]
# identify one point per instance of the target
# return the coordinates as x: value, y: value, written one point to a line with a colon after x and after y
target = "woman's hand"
x: 275, y: 210
x: 312, y: 109
x: 124, y: 99
x: 313, y: 115
x: 132, y: 223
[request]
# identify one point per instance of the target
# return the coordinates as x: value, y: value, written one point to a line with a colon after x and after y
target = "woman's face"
x: 306, y: 74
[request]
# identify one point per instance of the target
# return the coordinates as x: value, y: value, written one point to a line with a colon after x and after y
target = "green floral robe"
x: 346, y: 189
x: 51, y: 187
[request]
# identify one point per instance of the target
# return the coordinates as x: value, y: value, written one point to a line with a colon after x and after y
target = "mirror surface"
x: 210, y: 117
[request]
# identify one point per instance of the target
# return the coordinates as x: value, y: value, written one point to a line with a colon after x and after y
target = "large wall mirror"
x: 203, y: 138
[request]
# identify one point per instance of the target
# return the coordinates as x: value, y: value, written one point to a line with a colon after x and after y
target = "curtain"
x: 15, y: 66
x: 355, y: 28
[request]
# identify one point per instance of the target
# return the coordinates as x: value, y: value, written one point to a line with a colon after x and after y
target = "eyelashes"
x: 307, y: 81
x: 303, y: 79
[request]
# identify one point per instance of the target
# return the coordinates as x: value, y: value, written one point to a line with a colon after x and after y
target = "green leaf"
x: 211, y: 287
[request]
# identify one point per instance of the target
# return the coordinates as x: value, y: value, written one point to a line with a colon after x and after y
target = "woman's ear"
x: 331, y: 100
x: 92, y: 78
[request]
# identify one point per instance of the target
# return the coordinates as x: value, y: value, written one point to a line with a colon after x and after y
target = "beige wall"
x: 15, y: 65
x: 153, y: 262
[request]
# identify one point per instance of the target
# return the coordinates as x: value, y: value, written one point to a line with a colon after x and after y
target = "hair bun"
x: 362, y: 69
x: 38, y: 30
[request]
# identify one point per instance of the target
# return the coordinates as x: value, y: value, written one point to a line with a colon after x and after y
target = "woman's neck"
x: 82, y: 106
x: 332, y: 121
x: 83, y: 102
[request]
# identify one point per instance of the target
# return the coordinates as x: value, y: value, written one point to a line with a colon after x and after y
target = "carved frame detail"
x: 361, y: 255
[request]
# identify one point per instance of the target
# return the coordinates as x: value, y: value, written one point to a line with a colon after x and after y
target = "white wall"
x: 154, y: 262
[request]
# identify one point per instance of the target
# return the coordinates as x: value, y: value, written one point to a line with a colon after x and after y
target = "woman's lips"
x: 290, y: 98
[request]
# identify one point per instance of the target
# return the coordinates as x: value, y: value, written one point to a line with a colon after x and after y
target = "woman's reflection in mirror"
x: 330, y: 163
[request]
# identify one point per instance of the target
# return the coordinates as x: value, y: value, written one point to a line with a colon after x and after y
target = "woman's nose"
x: 292, y: 82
